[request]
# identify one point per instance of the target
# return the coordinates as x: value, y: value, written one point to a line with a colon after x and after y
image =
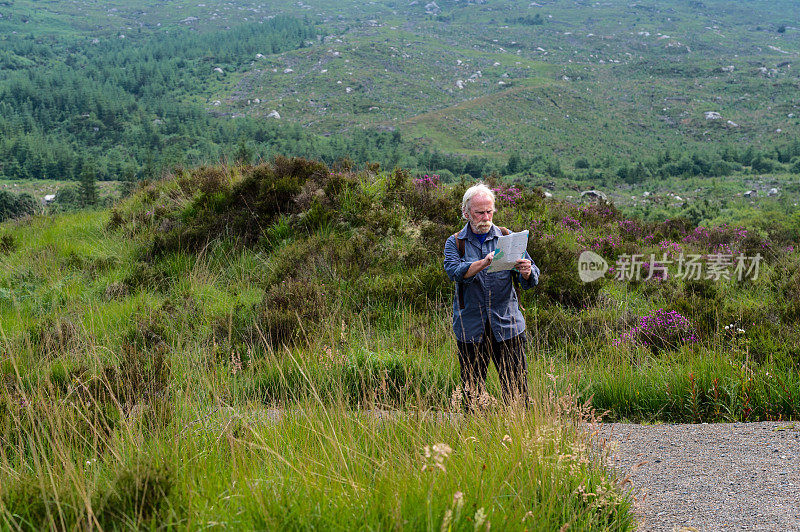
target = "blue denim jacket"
x: 487, y: 296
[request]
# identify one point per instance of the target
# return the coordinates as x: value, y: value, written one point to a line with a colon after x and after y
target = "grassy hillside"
x: 600, y: 86
x: 571, y: 78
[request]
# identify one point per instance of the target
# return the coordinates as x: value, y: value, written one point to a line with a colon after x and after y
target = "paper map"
x: 509, y: 248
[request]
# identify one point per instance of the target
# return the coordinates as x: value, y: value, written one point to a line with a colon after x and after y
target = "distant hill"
x: 461, y: 87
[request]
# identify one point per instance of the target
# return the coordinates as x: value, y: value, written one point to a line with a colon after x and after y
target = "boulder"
x: 432, y: 8
x: 594, y: 195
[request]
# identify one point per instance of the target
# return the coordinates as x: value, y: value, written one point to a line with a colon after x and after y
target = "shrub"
x: 140, y: 493
x: 660, y: 330
x: 8, y: 244
x: 290, y: 308
x: 33, y: 505
x: 56, y: 336
x: 557, y: 260
x: 16, y: 205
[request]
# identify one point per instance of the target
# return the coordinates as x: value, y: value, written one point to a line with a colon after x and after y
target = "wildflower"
x: 571, y: 223
x: 458, y: 500
x: 509, y: 195
x: 437, y: 455
x: 447, y: 520
x: 426, y: 183
x: 455, y: 399
x: 660, y: 329
x: 236, y: 363
x: 480, y: 518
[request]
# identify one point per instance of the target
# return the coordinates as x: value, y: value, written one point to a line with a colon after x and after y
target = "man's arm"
x: 458, y: 269
x: 479, y: 265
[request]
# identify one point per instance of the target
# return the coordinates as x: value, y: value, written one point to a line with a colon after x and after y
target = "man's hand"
x: 479, y: 265
x: 523, y: 266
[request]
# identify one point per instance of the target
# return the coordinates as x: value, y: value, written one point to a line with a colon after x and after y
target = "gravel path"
x: 728, y: 476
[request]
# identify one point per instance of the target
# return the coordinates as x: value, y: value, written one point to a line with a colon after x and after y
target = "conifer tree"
x: 88, y: 186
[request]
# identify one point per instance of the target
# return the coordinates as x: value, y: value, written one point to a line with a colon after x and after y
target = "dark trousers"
x: 508, y: 358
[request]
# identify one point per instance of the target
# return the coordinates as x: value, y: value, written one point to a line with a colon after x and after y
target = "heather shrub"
x: 425, y: 199
x: 674, y: 229
x: 557, y: 259
x: 433, y: 236
x: 660, y: 330
x: 138, y: 497
x: 56, y: 336
x: 7, y: 244
x: 290, y: 312
x: 34, y: 504
x: 785, y: 280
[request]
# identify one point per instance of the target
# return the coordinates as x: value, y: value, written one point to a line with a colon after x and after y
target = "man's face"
x: 481, y: 210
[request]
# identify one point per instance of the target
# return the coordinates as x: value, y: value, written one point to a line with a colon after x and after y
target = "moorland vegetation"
x: 269, y: 345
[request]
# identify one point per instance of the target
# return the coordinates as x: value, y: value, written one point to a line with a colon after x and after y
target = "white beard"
x: 481, y: 228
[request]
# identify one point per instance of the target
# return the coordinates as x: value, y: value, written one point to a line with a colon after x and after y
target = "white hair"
x: 476, y: 190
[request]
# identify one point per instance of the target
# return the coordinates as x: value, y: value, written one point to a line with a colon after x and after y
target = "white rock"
x: 729, y: 68
x: 287, y: 70
x: 273, y: 114
x: 432, y: 8
x: 731, y: 123
x: 219, y: 70
x: 712, y: 115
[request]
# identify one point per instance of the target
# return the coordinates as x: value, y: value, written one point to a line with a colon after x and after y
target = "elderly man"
x: 487, y: 319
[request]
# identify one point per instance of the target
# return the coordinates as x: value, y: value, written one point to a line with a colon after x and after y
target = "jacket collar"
x: 467, y: 234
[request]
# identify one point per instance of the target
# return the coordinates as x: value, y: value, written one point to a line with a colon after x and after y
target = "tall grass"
x: 162, y: 445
